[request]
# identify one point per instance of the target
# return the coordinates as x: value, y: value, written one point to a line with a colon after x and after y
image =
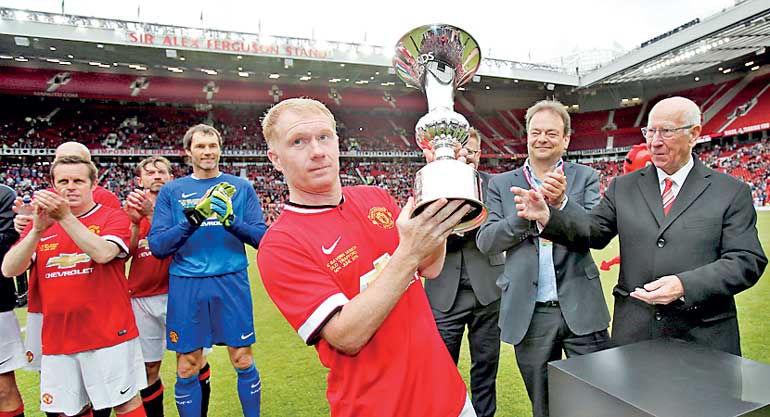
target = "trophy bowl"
x: 437, y: 59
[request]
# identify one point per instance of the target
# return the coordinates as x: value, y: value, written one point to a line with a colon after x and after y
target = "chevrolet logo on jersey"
x: 144, y: 244
x: 68, y: 260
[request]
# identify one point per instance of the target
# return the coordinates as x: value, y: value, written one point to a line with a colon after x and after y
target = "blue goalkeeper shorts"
x: 203, y: 312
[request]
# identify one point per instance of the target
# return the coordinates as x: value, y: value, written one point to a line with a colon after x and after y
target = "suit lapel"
x: 650, y: 189
x: 518, y: 180
x: 694, y: 185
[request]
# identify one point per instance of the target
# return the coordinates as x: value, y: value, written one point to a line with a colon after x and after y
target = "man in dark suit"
x: 688, y: 237
x: 552, y: 298
x: 465, y: 294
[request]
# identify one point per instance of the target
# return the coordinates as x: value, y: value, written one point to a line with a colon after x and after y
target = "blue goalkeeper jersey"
x: 211, y: 248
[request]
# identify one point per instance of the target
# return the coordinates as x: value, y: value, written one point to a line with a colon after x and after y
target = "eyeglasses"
x: 665, y: 133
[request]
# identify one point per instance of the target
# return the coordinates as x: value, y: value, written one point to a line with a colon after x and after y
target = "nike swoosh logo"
x: 331, y: 249
x: 255, y: 385
x: 188, y: 195
x: 246, y: 336
x: 43, y: 239
x: 123, y: 391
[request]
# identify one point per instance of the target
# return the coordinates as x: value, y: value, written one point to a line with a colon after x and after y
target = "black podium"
x: 661, y: 378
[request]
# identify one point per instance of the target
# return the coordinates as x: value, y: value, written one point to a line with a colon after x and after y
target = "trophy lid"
x: 440, y: 43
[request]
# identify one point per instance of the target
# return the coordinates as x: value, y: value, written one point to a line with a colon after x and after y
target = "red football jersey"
x: 148, y: 275
x: 312, y: 261
x: 85, y: 305
x: 106, y: 197
x: 101, y: 196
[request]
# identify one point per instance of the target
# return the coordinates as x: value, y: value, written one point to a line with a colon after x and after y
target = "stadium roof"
x: 52, y: 40
x: 735, y: 36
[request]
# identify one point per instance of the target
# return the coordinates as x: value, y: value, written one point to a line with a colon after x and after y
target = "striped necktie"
x: 667, y: 195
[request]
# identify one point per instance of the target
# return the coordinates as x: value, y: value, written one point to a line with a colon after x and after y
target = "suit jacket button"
x: 661, y: 242
x: 657, y: 316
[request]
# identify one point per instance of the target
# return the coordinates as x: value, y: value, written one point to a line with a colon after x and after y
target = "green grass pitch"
x: 294, y: 382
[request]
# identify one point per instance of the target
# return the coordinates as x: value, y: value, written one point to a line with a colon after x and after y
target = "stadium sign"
x: 747, y: 129
x: 226, y: 153
x: 243, y: 46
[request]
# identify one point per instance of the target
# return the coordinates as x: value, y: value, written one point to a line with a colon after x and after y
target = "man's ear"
x: 275, y: 159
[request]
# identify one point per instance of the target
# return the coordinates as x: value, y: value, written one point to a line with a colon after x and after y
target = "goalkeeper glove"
x: 226, y: 187
x: 198, y: 214
x: 221, y: 203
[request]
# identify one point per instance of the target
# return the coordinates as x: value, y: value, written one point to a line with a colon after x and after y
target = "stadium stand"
x: 32, y: 122
x: 739, y: 106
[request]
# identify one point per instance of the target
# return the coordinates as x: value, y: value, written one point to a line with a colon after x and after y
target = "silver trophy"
x: 437, y: 59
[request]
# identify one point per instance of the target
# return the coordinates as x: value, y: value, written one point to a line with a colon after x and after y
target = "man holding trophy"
x: 343, y: 264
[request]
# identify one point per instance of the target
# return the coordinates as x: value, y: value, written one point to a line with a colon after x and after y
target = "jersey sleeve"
x: 250, y: 227
x: 166, y: 236
x: 117, y: 230
x: 305, y: 294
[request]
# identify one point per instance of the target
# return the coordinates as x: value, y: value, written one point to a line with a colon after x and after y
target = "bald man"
x: 688, y: 237
x: 72, y: 149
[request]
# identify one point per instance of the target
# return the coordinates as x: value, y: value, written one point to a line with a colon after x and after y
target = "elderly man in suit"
x: 552, y: 298
x: 465, y: 294
x: 688, y: 237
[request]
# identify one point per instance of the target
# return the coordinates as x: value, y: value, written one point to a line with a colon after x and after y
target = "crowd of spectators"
x: 749, y: 162
x: 43, y: 122
x: 36, y: 122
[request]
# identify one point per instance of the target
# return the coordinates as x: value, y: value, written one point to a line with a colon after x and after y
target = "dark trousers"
x: 484, y: 339
x: 546, y: 338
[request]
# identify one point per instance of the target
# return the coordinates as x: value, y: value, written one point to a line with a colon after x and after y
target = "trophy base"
x: 453, y: 180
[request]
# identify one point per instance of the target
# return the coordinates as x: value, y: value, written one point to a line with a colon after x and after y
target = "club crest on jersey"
x: 47, y: 398
x: 68, y: 260
x: 173, y: 336
x: 95, y: 228
x: 381, y: 217
x: 30, y: 356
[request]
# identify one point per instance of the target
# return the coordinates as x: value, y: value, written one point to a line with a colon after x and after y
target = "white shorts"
x: 33, y: 342
x: 106, y: 377
x: 11, y: 348
x: 150, y: 315
x: 467, y: 410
